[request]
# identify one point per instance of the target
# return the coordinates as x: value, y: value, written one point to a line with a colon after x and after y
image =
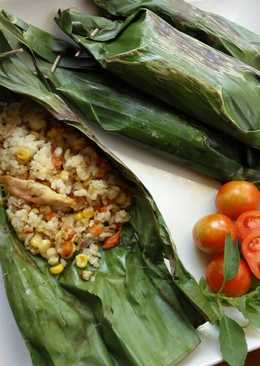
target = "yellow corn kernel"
x: 36, y: 241
x: 53, y: 260
x: 78, y: 216
x: 24, y: 154
x: 64, y: 175
x: 55, y: 270
x: 88, y: 213
x: 82, y: 260
x: 44, y: 245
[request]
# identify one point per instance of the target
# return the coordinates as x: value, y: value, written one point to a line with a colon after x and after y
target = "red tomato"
x: 210, y: 232
x: 248, y: 222
x: 236, y: 197
x: 238, y: 286
x: 251, y: 251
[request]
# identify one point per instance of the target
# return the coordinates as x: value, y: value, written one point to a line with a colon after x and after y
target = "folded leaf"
x: 116, y: 107
x: 133, y: 282
x: 212, y: 29
x: 232, y: 342
x: 49, y: 47
x: 148, y: 53
x: 57, y: 327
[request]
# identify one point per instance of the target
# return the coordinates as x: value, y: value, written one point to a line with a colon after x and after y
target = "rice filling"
x: 64, y: 200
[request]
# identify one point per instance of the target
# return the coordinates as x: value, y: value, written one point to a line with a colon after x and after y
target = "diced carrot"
x: 96, y: 230
x: 112, y: 241
x: 67, y: 249
x: 50, y: 215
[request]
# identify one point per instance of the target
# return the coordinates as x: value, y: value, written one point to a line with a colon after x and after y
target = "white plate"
x: 182, y: 196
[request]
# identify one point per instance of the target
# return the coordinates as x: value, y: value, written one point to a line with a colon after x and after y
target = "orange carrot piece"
x: 50, y: 215
x: 112, y: 241
x: 67, y: 249
x: 96, y: 230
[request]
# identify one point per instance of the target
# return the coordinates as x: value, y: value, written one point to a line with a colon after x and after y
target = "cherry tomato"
x: 238, y: 286
x: 248, y: 222
x: 210, y: 232
x: 236, y: 197
x: 251, y: 251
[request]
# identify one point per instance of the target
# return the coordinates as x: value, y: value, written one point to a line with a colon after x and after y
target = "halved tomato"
x: 251, y: 251
x: 248, y: 222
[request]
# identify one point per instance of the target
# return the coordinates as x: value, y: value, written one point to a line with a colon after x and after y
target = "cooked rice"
x: 34, y: 146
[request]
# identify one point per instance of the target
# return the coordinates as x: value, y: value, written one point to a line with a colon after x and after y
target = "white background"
x: 182, y: 196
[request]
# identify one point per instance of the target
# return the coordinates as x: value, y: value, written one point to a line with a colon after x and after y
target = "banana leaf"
x: 212, y: 29
x: 51, y: 46
x: 58, y: 328
x: 145, y: 51
x: 116, y: 107
x: 135, y: 312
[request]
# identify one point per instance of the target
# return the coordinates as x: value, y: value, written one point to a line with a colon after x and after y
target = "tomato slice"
x: 247, y: 222
x: 251, y: 251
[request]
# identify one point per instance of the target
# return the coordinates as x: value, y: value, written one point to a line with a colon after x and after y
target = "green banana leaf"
x: 51, y: 46
x: 212, y: 29
x: 58, y: 328
x: 116, y: 107
x: 147, y: 52
x: 136, y: 312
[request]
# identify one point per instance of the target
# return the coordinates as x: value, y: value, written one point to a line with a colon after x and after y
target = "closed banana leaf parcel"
x: 118, y: 108
x: 212, y: 29
x: 148, y: 53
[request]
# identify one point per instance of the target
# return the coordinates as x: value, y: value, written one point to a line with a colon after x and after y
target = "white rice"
x: 34, y: 146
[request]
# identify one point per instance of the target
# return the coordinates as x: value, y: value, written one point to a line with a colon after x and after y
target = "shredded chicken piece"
x: 37, y: 193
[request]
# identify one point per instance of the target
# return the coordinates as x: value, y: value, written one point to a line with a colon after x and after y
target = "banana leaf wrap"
x: 147, y: 52
x: 116, y: 107
x: 66, y: 321
x: 212, y: 29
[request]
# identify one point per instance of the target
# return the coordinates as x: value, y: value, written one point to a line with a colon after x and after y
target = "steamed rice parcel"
x: 64, y: 200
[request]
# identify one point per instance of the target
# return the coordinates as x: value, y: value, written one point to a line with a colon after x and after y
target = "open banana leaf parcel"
x: 134, y: 312
x: 212, y: 29
x: 147, y: 52
x: 116, y: 107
